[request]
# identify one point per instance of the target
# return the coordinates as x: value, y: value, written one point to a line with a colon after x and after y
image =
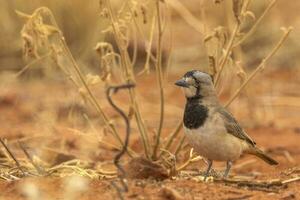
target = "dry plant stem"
x: 179, y: 147
x: 148, y: 48
x: 288, y: 156
x: 110, y: 145
x: 170, y: 46
x: 81, y: 77
x: 127, y: 69
x: 119, y: 191
x: 67, y: 73
x: 124, y: 149
x: 135, y: 48
x: 187, y: 15
x: 92, y: 96
x: 189, y: 161
x: 255, y: 25
x: 227, y: 52
x: 291, y: 180
x: 38, y: 168
x: 270, y: 186
x: 159, y: 80
x: 172, y: 137
x: 31, y: 64
x: 259, y: 184
x: 184, y: 165
x: 260, y: 67
x: 139, y: 29
x: 12, y: 156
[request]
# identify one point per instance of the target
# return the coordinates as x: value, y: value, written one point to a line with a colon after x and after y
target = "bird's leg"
x: 228, y: 166
x: 209, y: 165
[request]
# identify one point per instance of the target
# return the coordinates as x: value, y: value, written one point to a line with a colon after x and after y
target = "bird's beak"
x: 182, y: 83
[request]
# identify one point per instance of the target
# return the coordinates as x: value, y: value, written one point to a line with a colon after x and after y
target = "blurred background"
x: 82, y: 26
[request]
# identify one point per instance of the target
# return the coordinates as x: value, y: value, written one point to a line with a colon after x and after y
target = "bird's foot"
x: 228, y: 166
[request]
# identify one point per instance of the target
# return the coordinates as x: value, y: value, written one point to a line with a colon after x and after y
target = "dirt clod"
x: 141, y: 168
x: 171, y: 194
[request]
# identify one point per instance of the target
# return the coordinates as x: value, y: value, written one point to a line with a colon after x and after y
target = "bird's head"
x: 196, y: 84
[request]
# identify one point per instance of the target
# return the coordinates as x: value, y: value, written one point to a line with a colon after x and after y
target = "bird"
x: 211, y: 130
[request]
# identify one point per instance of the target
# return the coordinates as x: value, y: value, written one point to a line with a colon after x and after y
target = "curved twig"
x: 115, y: 89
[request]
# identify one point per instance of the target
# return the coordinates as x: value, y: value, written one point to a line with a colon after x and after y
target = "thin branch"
x: 127, y: 69
x: 118, y: 189
x: 117, y: 158
x: 227, y: 52
x: 291, y: 180
x: 12, y: 156
x: 82, y: 79
x: 179, y: 146
x: 255, y: 25
x: 172, y: 137
x: 38, y: 168
x: 148, y: 48
x: 261, y: 66
x: 141, y: 33
x: 159, y: 80
x: 190, y: 160
x: 26, y: 67
x: 187, y: 16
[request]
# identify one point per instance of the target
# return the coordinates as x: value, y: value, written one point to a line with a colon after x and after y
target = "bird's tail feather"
x: 259, y: 153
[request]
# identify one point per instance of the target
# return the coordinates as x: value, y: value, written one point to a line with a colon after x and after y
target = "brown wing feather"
x: 233, y: 127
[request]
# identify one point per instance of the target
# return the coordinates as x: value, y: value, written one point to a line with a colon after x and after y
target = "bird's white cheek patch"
x: 189, y: 92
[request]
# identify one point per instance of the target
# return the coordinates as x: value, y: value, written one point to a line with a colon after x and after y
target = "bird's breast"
x: 212, y: 141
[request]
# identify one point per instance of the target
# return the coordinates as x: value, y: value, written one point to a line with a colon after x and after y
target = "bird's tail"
x: 259, y: 153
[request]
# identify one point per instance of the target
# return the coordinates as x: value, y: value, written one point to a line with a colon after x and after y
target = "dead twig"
x: 179, y: 146
x: 37, y: 167
x: 172, y: 137
x: 255, y: 25
x: 265, y: 186
x: 288, y: 156
x: 115, y: 89
x: 187, y: 16
x: 129, y: 76
x: 77, y: 77
x: 261, y: 66
x: 291, y: 180
x: 160, y: 81
x: 12, y: 156
x: 227, y: 53
x: 190, y: 160
x: 247, y: 196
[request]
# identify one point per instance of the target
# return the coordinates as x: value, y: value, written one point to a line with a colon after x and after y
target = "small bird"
x: 211, y: 129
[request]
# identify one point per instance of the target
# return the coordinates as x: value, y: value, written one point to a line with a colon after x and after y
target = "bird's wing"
x: 233, y: 127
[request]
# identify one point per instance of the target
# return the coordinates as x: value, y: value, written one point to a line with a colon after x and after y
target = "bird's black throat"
x: 195, y: 113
